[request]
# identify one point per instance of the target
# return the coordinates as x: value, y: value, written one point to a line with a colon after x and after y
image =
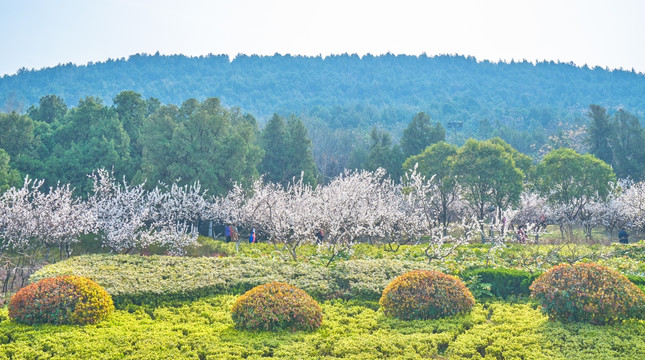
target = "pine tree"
x: 420, y: 134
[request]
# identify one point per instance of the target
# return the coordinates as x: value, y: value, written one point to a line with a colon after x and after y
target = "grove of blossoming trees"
x: 353, y: 207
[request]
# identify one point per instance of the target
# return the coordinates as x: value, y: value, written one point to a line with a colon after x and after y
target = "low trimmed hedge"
x: 504, y: 283
x: 204, y: 329
x: 156, y: 280
x: 511, y: 283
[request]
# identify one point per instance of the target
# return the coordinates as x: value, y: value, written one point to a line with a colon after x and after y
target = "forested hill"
x: 348, y: 91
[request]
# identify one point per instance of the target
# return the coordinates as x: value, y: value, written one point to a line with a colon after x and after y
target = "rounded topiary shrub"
x: 276, y: 306
x: 426, y: 294
x: 61, y: 300
x: 587, y: 293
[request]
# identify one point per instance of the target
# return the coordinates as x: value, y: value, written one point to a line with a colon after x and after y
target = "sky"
x: 45, y: 33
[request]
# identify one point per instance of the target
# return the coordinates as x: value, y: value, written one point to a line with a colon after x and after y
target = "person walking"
x: 227, y: 233
x: 252, y: 236
x: 234, y: 234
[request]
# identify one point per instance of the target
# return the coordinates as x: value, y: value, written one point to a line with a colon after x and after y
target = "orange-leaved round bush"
x: 61, y: 300
x: 587, y: 293
x: 276, y: 306
x: 424, y: 295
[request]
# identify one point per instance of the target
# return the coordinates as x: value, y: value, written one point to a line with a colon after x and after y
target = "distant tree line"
x: 146, y: 142
x: 521, y: 102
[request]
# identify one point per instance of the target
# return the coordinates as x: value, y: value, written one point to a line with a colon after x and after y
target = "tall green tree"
x: 600, y: 133
x: 131, y: 109
x: 275, y: 143
x: 522, y: 161
x: 18, y: 137
x: 8, y: 177
x: 90, y: 137
x: 571, y: 181
x: 438, y: 160
x: 301, y: 151
x: 287, y: 151
x: 204, y: 142
x: 383, y: 154
x: 419, y: 134
x: 16, y: 134
x: 156, y: 141
x: 50, y: 109
x: 489, y: 176
x: 628, y: 146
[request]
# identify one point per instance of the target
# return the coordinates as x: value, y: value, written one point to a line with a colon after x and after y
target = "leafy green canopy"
x: 489, y: 175
x: 199, y: 142
x: 566, y: 177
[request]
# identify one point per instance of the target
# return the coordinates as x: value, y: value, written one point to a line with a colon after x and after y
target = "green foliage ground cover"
x: 180, y: 308
x: 133, y: 279
x: 204, y: 329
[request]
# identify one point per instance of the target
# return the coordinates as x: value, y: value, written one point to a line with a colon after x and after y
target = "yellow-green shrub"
x: 61, y: 300
x: 426, y: 294
x: 589, y: 293
x: 276, y: 306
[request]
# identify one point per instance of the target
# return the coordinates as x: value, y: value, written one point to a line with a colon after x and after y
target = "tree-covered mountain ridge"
x: 348, y: 90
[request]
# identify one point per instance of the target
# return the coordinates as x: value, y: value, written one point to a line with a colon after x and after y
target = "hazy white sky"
x: 44, y: 33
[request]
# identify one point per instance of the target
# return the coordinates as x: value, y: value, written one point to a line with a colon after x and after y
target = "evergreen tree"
x: 50, y: 109
x: 8, y: 177
x: 420, y: 134
x: 628, y: 146
x: 90, y: 137
x: 275, y: 143
x: 200, y: 142
x: 287, y: 151
x: 300, y: 151
x: 600, y: 133
x: 18, y: 139
x: 384, y: 155
x: 131, y: 109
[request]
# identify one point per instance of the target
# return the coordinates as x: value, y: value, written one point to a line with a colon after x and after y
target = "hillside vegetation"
x: 348, y: 90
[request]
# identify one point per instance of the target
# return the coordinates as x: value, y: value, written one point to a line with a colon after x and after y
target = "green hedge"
x: 151, y: 280
x: 155, y: 280
x: 366, y: 279
x: 504, y: 283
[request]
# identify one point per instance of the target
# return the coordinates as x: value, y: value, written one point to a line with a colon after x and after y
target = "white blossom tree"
x: 427, y: 211
x: 61, y: 218
x: 355, y: 205
x: 31, y: 219
x: 633, y: 200
x: 129, y: 217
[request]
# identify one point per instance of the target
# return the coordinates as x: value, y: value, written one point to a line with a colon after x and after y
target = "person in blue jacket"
x: 252, y: 236
x: 227, y: 233
x: 623, y: 236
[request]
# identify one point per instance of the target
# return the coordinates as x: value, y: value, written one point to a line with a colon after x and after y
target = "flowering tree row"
x: 355, y: 206
x: 123, y: 217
